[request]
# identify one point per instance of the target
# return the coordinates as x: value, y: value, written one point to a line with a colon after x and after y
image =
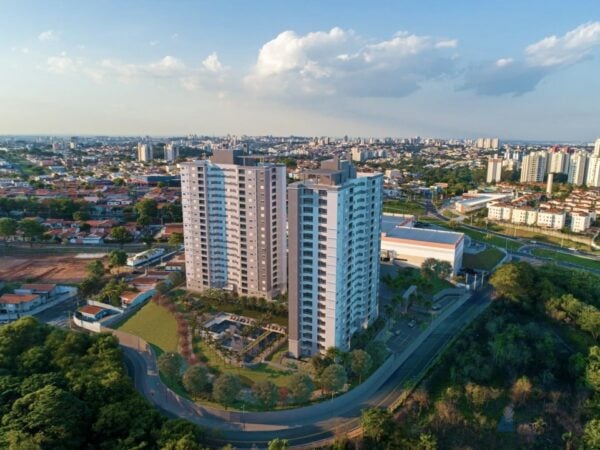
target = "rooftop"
x: 17, y: 299
x: 420, y: 234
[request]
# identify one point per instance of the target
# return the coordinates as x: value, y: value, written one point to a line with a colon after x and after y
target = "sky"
x: 431, y: 68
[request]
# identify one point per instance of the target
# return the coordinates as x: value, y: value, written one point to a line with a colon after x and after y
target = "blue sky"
x: 514, y: 69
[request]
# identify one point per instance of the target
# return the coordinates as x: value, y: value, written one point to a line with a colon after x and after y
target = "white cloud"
x: 341, y: 62
x: 47, y: 36
x: 62, y: 64
x: 540, y: 59
x: 212, y: 63
x: 567, y: 49
x: 153, y: 43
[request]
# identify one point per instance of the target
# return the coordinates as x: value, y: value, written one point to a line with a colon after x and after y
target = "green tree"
x: 512, y: 281
x: 118, y: 181
x: 432, y: 267
x: 592, y: 371
x: 333, y: 378
x: 121, y: 235
x: 300, y: 387
x: 377, y: 424
x: 117, y: 258
x: 81, y: 216
x: 278, y: 444
x: 195, y: 380
x: 360, y: 363
x: 226, y: 388
x: 591, y: 435
x: 146, y: 207
x: 31, y: 229
x: 8, y: 228
x: 426, y: 442
x: 56, y: 418
x: 176, y: 239
x: 95, y: 269
x: 170, y: 364
x: 266, y: 392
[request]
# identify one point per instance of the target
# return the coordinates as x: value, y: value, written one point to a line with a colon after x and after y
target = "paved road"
x: 307, y: 425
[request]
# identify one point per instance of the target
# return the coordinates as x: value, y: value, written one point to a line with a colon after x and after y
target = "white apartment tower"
x: 145, y: 152
x: 593, y: 172
x: 578, y: 168
x: 559, y: 162
x: 234, y: 223
x: 494, y: 170
x: 597, y: 147
x: 171, y: 152
x: 334, y: 249
x: 533, y: 167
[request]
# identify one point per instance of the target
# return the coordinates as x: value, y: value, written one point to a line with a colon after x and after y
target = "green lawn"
x: 261, y: 372
x: 403, y: 207
x: 565, y: 257
x: 485, y: 260
x: 155, y: 324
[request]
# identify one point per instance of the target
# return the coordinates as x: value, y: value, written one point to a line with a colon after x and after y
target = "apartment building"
x: 551, y: 218
x: 334, y: 248
x: 145, y: 152
x: 578, y: 168
x: 171, y: 152
x: 524, y: 215
x: 494, y: 170
x: 234, y: 224
x: 500, y: 211
x: 580, y: 222
x: 593, y: 173
x: 534, y: 167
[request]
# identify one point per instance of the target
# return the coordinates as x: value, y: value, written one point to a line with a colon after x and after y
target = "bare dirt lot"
x: 44, y: 268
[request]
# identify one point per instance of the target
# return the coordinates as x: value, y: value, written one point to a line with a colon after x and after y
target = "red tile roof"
x: 17, y: 299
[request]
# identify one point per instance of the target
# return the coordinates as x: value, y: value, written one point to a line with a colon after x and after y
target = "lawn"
x: 565, y: 257
x: 403, y: 207
x: 155, y: 324
x: 261, y: 372
x: 485, y: 260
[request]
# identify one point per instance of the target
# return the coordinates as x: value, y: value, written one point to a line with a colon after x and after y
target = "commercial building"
x: 145, y: 152
x: 171, y: 152
x: 234, y: 224
x: 411, y: 246
x: 533, y: 167
x: 473, y: 201
x: 494, y: 170
x: 334, y: 248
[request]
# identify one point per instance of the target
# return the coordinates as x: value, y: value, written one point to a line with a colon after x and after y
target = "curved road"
x: 311, y: 424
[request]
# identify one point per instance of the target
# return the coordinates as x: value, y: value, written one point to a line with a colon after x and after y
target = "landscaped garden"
x: 568, y: 258
x: 154, y: 324
x: 484, y: 260
x: 403, y: 207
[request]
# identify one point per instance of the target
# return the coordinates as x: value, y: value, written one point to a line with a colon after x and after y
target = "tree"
x: 55, y: 417
x: 521, y: 390
x: 266, y: 392
x: 95, y: 269
x: 426, y: 442
x: 591, y: 434
x: 512, y: 282
x: 80, y: 216
x: 146, y: 207
x: 31, y: 229
x: 278, y: 444
x: 377, y: 351
x: 170, y: 364
x: 121, y: 235
x: 592, y: 371
x: 195, y: 380
x: 226, y: 389
x: 432, y: 267
x: 360, y: 363
x: 333, y: 378
x: 8, y: 228
x: 117, y: 258
x: 147, y: 239
x: 377, y: 424
x: 176, y: 239
x: 301, y: 387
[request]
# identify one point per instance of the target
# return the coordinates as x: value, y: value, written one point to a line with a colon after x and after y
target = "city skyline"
x: 302, y: 69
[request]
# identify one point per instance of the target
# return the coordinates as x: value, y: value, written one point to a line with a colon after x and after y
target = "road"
x: 311, y: 424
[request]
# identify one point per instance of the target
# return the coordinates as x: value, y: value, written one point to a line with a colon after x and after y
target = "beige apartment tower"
x: 234, y: 223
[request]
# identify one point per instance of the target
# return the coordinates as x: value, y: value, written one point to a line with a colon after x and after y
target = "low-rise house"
x: 19, y: 303
x: 45, y: 291
x: 93, y: 313
x: 131, y: 298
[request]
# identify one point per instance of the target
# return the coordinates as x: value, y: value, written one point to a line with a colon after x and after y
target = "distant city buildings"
x: 488, y: 143
x: 494, y: 170
x: 145, y: 152
x: 171, y: 152
x: 578, y: 168
x: 234, y: 221
x: 334, y: 250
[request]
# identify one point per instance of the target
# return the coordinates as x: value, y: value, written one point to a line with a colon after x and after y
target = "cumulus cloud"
x: 212, y: 63
x: 48, y: 35
x: 341, y: 62
x: 62, y: 64
x: 540, y: 59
